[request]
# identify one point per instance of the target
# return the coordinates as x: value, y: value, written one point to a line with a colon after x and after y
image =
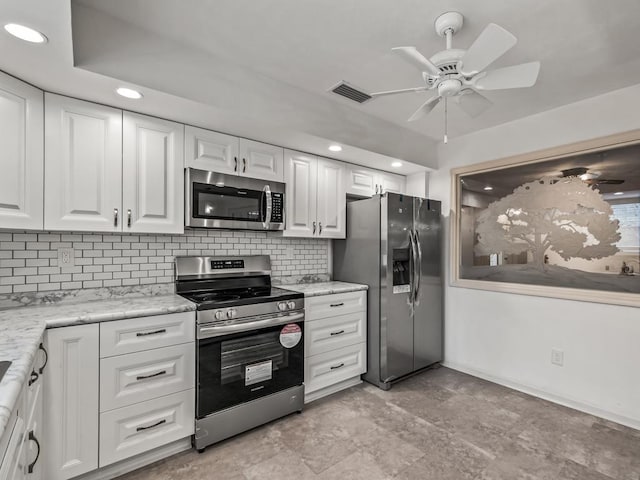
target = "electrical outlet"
x: 66, y: 257
x: 557, y: 357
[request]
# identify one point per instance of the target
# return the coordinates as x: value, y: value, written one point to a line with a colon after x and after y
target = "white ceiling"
x: 263, y: 68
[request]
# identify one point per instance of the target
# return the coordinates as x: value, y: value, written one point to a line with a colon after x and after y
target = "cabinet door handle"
x: 376, y: 188
x: 140, y: 429
x: 155, y: 332
x: 46, y: 359
x: 32, y: 437
x: 381, y: 192
x: 320, y: 225
x: 129, y: 218
x: 115, y: 217
x: 314, y: 228
x: 235, y: 165
x: 339, y: 332
x: 33, y: 378
x: 337, y: 304
x: 244, y: 165
x: 335, y: 367
x: 157, y: 374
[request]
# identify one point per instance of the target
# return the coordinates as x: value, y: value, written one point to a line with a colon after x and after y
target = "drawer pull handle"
x: 339, y: 332
x: 341, y: 304
x: 335, y: 367
x: 140, y: 429
x: 157, y: 374
x: 46, y: 358
x: 33, y: 378
x: 155, y: 332
x: 32, y: 438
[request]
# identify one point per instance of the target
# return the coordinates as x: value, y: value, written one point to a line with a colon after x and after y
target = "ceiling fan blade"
x: 516, y: 76
x: 472, y: 103
x: 425, y: 108
x: 404, y: 90
x: 493, y: 42
x: 414, y: 57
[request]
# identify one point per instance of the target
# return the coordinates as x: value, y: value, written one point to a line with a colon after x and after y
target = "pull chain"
x: 446, y: 116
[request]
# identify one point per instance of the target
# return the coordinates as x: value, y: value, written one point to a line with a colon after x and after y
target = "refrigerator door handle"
x: 413, y: 272
x: 418, y: 270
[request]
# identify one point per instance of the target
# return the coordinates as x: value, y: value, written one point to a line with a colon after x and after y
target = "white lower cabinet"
x: 71, y: 396
x: 116, y: 390
x: 135, y: 429
x: 335, y: 342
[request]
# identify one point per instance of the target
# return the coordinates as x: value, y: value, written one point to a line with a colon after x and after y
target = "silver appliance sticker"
x: 401, y: 289
x: 258, y: 372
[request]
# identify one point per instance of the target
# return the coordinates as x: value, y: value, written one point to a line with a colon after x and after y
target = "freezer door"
x: 427, y: 326
x: 396, y: 321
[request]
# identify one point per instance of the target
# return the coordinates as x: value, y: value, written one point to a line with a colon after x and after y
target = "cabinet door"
x: 22, y: 157
x: 153, y: 176
x: 211, y: 151
x: 391, y: 183
x: 71, y: 396
x: 261, y: 160
x: 83, y: 171
x: 301, y: 177
x: 332, y: 200
x: 361, y: 181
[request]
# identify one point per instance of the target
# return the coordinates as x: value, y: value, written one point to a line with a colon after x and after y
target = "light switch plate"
x: 557, y: 357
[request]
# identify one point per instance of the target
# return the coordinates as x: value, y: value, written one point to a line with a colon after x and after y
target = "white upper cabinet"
x: 83, y: 168
x: 366, y: 182
x: 153, y: 181
x: 331, y: 199
x: 390, y: 182
x: 315, y: 196
x: 211, y: 151
x: 22, y: 155
x: 261, y: 160
x: 218, y: 152
x: 301, y: 178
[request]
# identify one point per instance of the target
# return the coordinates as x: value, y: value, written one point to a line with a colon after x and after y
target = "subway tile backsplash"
x: 29, y: 260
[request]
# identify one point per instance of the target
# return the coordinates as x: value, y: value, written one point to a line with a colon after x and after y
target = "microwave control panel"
x: 277, y: 208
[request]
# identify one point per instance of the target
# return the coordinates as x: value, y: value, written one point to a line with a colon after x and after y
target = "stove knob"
x: 231, y: 313
x: 282, y: 306
x: 291, y: 305
x: 219, y: 315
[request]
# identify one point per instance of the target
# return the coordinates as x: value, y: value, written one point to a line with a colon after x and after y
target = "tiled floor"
x: 439, y: 425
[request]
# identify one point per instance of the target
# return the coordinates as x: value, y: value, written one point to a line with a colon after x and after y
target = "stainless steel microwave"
x: 216, y: 200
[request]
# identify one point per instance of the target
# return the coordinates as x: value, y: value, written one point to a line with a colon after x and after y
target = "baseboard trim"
x: 323, y: 392
x: 129, y: 465
x: 567, y: 402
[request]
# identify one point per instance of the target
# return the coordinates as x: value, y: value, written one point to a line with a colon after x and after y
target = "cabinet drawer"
x: 138, y: 334
x: 137, y: 377
x: 325, y: 369
x: 335, y: 332
x: 324, y: 306
x: 129, y: 431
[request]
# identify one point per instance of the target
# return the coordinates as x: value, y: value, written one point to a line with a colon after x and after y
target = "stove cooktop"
x: 206, y: 300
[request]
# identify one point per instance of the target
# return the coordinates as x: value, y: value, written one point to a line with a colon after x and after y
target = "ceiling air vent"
x: 348, y: 91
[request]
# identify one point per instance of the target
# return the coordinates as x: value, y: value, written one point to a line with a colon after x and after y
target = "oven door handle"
x: 219, y: 330
x: 269, y: 207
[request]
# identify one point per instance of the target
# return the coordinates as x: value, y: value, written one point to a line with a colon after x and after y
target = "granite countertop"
x: 22, y: 328
x: 325, y: 288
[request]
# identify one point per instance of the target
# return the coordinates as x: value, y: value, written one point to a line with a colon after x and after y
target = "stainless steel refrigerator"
x: 394, y: 245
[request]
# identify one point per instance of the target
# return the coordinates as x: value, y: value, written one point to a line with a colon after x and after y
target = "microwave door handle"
x: 269, y: 206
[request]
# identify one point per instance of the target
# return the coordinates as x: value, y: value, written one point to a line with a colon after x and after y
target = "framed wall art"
x: 563, y: 222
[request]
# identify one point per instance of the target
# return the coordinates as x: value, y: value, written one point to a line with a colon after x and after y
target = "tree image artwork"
x: 561, y: 214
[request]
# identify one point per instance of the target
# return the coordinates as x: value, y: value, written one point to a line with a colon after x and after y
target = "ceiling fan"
x: 590, y: 177
x: 459, y: 73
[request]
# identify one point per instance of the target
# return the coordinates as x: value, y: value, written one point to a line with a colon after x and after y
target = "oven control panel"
x: 224, y: 264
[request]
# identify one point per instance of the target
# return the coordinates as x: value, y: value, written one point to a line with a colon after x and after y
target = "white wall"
x: 508, y: 338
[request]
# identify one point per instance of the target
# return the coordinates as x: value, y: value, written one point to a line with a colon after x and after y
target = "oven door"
x: 236, y: 365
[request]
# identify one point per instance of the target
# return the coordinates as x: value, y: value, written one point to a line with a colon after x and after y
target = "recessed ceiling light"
x: 619, y: 193
x: 129, y: 93
x: 488, y: 188
x: 335, y: 148
x: 25, y: 33
x: 396, y: 164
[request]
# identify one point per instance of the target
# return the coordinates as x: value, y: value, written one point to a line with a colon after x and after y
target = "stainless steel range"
x: 250, y: 344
